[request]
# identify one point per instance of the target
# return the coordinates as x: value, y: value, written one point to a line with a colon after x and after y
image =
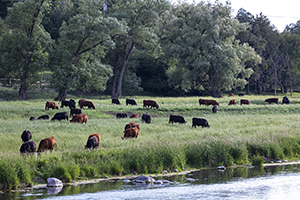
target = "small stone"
x: 126, y: 181
x: 165, y: 171
x: 144, y: 179
x: 158, y: 182
x: 189, y: 179
x: 54, y: 182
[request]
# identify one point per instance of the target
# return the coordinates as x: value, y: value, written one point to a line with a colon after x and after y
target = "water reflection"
x: 233, y: 183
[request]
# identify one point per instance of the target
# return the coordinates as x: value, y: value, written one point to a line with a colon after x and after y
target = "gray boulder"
x: 144, y: 179
x: 54, y: 182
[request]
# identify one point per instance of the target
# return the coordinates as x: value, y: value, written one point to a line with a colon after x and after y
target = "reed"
x: 248, y: 134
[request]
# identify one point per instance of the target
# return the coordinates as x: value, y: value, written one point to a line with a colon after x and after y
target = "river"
x: 272, y: 182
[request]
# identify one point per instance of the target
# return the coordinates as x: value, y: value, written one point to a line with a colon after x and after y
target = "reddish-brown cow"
x: 151, y: 103
x: 79, y: 118
x: 94, y: 135
x: 135, y: 115
x: 47, y: 144
x: 232, y: 102
x: 211, y: 102
x: 202, y: 102
x: 272, y: 100
x: 50, y: 104
x: 85, y: 103
x: 131, y: 133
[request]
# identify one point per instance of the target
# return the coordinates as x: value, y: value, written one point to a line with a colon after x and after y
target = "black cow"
x: 28, y: 147
x: 75, y: 111
x: 130, y: 101
x: 92, y: 143
x: 60, y: 116
x: 32, y: 118
x: 43, y: 117
x: 70, y: 103
x: 200, y: 122
x: 146, y: 118
x: 176, y: 118
x: 115, y: 101
x: 241, y: 94
x: 285, y: 100
x: 26, y: 136
x: 214, y: 109
x: 121, y: 115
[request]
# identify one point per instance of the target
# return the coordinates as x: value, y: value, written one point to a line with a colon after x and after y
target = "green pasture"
x: 247, y: 134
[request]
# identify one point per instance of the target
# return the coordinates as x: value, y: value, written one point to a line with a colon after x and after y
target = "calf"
x: 50, y: 104
x: 60, y: 116
x: 44, y: 117
x: 200, y: 122
x: 285, y: 100
x: 92, y: 143
x: 121, y: 115
x: 70, y: 104
x: 272, y: 100
x: 79, y: 118
x: 211, y: 102
x: 131, y: 133
x: 232, y: 102
x: 176, y: 118
x: 47, y: 144
x: 245, y: 101
x: 26, y: 136
x: 150, y: 103
x: 28, y: 147
x: 115, y: 101
x: 214, y: 109
x: 130, y: 101
x: 88, y: 104
x: 75, y: 111
x: 146, y: 118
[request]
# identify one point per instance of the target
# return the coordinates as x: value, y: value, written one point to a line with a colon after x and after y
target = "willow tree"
x: 23, y: 47
x: 203, y: 51
x: 82, y: 42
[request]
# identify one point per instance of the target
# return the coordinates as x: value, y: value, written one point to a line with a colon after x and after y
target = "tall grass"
x: 253, y: 134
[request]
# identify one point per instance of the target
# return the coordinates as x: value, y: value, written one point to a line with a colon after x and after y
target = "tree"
x: 83, y: 41
x: 24, y: 46
x: 203, y: 50
x: 140, y: 16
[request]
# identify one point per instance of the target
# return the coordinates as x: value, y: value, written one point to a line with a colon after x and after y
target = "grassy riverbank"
x: 250, y: 134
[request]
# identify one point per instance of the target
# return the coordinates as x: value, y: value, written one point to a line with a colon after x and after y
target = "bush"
x: 88, y: 171
x: 61, y: 173
x: 8, y: 176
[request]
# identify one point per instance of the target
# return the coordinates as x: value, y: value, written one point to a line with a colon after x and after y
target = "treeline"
x: 128, y: 47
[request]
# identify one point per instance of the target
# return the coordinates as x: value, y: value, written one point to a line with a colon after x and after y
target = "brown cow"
x: 245, y: 101
x: 47, y: 144
x: 88, y: 104
x: 135, y: 115
x: 211, y: 102
x: 202, y: 102
x: 79, y: 118
x: 231, y: 95
x: 131, y: 133
x: 131, y: 125
x: 94, y: 135
x: 150, y: 103
x: 232, y: 102
x: 50, y: 104
x: 272, y: 100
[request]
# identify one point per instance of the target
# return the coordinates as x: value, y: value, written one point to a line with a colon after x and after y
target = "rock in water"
x: 54, y: 182
x: 144, y: 179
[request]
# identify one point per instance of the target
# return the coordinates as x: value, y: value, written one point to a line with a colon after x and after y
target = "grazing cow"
x: 75, y: 111
x: 79, y: 118
x: 44, y: 117
x: 200, y: 122
x: 70, y: 103
x: 60, y: 116
x: 32, y: 118
x: 245, y: 101
x: 47, y: 144
x: 214, y: 109
x: 146, y: 118
x: 92, y: 143
x: 202, y: 102
x: 211, y: 102
x: 241, y: 94
x: 131, y: 125
x: 150, y: 103
x: 28, y: 147
x: 95, y: 135
x: 176, y: 118
x: 121, y: 115
x: 26, y: 136
x: 131, y: 133
x: 272, y: 100
x: 232, y: 102
x: 135, y: 115
x: 88, y: 104
x: 50, y: 104
x: 81, y: 100
x: 231, y: 95
x: 115, y: 101
x: 130, y: 101
x: 285, y: 100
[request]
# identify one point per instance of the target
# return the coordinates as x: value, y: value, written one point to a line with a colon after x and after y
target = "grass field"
x: 253, y: 134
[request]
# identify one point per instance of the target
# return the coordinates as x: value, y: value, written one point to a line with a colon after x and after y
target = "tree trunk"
x: 62, y: 95
x: 113, y: 90
x: 22, y: 90
x: 125, y: 61
x: 290, y: 74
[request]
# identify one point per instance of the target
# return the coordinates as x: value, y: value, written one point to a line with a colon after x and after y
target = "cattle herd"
x: 131, y: 129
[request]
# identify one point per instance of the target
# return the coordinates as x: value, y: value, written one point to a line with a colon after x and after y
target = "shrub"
x: 61, y: 173
x: 88, y: 171
x: 8, y: 176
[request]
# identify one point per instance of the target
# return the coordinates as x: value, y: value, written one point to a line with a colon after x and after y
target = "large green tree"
x: 23, y: 48
x: 140, y: 16
x: 83, y: 42
x: 203, y: 51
